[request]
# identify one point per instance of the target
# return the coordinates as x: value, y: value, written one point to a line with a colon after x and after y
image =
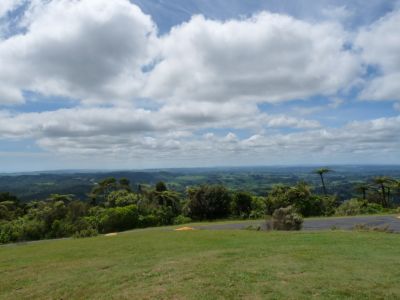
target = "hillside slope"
x: 161, y: 264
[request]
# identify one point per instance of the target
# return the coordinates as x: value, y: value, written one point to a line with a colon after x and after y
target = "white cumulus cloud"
x: 91, y: 50
x: 380, y: 46
x: 266, y: 58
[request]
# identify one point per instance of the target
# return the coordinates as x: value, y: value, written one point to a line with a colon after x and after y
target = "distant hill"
x: 258, y: 180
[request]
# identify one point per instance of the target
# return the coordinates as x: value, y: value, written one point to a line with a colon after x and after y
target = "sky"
x: 99, y: 84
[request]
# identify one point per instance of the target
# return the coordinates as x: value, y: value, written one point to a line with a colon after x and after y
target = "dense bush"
x: 149, y: 220
x: 354, y: 207
x: 181, y: 219
x: 242, y: 204
x: 258, y: 208
x: 22, y: 229
x: 113, y: 206
x: 167, y: 199
x: 300, y: 198
x: 209, y: 202
x: 7, y: 233
x: 121, y: 198
x: 114, y: 219
x: 286, y: 219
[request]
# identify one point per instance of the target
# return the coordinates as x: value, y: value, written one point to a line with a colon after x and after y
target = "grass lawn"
x: 160, y: 264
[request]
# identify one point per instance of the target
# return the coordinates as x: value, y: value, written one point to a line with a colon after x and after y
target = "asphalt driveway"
x: 321, y: 223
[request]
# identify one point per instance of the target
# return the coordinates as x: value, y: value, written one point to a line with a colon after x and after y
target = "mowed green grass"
x: 162, y: 264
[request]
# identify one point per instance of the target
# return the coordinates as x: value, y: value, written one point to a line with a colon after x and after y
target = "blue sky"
x: 98, y: 84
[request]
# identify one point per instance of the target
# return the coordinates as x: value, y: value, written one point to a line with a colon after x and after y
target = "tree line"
x: 116, y: 205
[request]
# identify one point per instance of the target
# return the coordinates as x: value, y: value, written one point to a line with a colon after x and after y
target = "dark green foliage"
x: 77, y: 210
x: 124, y: 183
x: 113, y: 206
x: 10, y: 207
x: 149, y: 220
x: 161, y: 187
x: 301, y: 198
x: 286, y: 219
x: 114, y: 219
x: 7, y: 197
x: 385, y: 185
x: 242, y: 204
x: 22, y: 229
x: 258, y: 207
x: 167, y: 199
x: 102, y: 189
x: 9, y: 210
x: 121, y: 198
x: 209, y: 202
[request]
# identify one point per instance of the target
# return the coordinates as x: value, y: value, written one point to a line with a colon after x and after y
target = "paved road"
x: 320, y: 224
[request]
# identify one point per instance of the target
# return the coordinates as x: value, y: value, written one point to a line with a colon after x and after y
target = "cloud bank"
x: 197, y: 91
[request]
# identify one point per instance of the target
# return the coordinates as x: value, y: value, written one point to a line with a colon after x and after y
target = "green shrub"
x: 329, y: 205
x: 58, y: 229
x: 165, y: 214
x: 22, y: 229
x: 150, y: 220
x: 301, y: 198
x: 6, y: 233
x: 372, y: 208
x: 258, y: 208
x: 354, y: 207
x: 241, y: 204
x: 209, y: 202
x: 181, y: 220
x: 351, y: 207
x: 114, y: 219
x: 121, y: 198
x: 277, y: 198
x: 30, y: 230
x: 286, y: 219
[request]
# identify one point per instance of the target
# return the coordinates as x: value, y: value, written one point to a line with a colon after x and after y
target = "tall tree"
x: 321, y: 172
x: 362, y: 188
x: 396, y: 185
x: 382, y: 182
x: 102, y: 189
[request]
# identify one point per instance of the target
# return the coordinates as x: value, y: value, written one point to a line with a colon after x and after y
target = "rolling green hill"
x: 257, y: 180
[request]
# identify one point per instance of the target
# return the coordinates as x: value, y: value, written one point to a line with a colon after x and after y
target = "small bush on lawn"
x: 286, y: 219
